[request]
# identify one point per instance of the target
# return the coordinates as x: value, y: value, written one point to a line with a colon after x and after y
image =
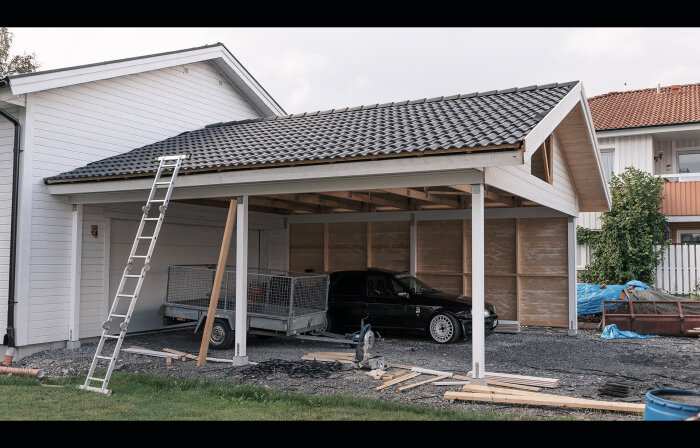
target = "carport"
x: 477, y: 193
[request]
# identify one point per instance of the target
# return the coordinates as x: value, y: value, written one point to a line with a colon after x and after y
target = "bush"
x: 623, y: 249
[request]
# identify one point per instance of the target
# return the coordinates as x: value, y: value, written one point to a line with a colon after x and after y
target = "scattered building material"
x: 652, y: 312
x: 148, y: 352
x: 450, y: 383
x: 293, y: 369
x: 183, y: 355
x: 508, y: 326
x: 431, y: 372
x: 420, y: 383
x: 566, y: 402
x: 400, y: 379
x: 168, y: 361
x: 615, y: 389
x: 520, y: 379
x: 21, y: 371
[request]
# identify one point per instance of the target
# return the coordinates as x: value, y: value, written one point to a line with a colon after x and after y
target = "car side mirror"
x: 405, y: 295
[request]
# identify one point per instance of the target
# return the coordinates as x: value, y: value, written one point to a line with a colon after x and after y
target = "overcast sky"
x: 310, y: 69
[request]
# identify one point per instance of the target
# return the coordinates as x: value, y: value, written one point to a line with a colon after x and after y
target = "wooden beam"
x: 420, y: 383
x: 218, y: 280
x: 314, y: 199
x: 372, y: 198
x: 424, y: 196
x: 400, y: 379
x: 326, y: 254
x: 369, y: 244
x: 566, y: 402
x: 490, y: 194
x: 265, y: 201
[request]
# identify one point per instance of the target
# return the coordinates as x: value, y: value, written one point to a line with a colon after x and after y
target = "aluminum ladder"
x: 166, y: 163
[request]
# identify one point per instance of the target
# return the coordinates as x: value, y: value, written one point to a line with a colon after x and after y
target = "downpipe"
x: 9, y: 339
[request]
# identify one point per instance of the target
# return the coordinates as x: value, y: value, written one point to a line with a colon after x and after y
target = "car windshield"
x: 414, y: 285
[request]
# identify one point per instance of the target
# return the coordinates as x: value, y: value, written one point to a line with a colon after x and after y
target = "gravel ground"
x: 583, y: 364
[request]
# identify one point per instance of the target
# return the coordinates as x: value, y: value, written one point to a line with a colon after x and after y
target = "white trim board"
x: 219, y: 56
x: 648, y: 130
x: 689, y: 218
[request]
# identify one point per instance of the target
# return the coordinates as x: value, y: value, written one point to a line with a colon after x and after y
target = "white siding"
x: 7, y: 133
x: 190, y: 235
x: 78, y: 124
x: 560, y: 195
x: 637, y: 151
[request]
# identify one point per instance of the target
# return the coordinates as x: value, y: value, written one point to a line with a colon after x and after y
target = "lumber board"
x: 320, y: 358
x: 499, y: 383
x: 181, y: 354
x: 148, y: 352
x: 566, y: 402
x: 398, y: 380
x: 431, y: 372
x: 420, y: 383
x: 450, y: 383
x: 478, y: 389
x: 218, y: 279
x: 520, y: 379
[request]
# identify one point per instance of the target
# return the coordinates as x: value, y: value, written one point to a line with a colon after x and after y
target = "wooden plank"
x: 431, y: 372
x: 420, y: 383
x: 521, y: 379
x: 179, y: 353
x: 218, y: 280
x: 368, y: 250
x: 565, y: 402
x: 326, y: 254
x: 400, y: 379
x: 475, y: 388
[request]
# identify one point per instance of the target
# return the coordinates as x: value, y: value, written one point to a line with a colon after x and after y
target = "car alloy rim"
x: 441, y: 328
x: 217, y: 335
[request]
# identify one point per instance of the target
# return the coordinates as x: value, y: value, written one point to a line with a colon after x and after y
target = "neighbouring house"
x: 476, y: 193
x: 656, y: 130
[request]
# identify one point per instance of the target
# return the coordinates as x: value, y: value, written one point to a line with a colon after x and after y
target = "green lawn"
x: 150, y: 397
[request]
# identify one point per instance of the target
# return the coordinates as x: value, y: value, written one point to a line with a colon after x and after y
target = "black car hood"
x: 450, y: 301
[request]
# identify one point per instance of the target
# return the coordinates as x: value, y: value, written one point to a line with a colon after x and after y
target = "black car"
x: 399, y: 301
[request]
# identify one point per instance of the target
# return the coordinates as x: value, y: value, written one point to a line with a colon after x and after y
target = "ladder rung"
x: 139, y: 256
x: 103, y: 357
x: 92, y: 378
x: 112, y: 336
x: 151, y: 219
x: 157, y: 200
x: 132, y: 276
x: 117, y: 315
x: 145, y: 237
x: 96, y: 389
x: 162, y: 183
x: 126, y: 295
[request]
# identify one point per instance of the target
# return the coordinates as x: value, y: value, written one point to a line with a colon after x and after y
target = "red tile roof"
x: 645, y: 107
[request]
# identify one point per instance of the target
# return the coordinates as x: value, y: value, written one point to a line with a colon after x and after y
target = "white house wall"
x: 559, y: 195
x: 636, y: 151
x: 190, y: 235
x: 669, y: 149
x: 71, y: 126
x: 7, y: 133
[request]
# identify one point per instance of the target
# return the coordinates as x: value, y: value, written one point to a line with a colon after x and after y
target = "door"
x: 386, y: 308
x: 177, y: 244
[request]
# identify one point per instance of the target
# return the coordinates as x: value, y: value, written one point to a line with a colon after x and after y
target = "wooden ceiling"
x: 391, y: 199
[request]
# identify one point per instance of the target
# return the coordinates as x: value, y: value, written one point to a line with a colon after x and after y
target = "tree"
x: 623, y: 249
x: 14, y: 65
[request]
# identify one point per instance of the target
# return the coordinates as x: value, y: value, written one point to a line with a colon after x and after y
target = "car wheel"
x: 221, y: 335
x: 444, y: 328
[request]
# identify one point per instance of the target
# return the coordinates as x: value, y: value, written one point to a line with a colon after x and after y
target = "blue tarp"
x: 612, y: 332
x: 590, y: 297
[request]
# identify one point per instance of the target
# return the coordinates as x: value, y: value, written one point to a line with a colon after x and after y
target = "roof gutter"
x: 9, y: 339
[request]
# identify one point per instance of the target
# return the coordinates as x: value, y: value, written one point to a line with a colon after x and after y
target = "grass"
x: 151, y: 397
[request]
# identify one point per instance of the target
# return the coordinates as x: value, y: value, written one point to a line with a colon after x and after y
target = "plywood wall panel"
x: 306, y: 247
x: 446, y: 283
x: 347, y: 246
x: 439, y: 246
x: 544, y: 301
x: 390, y: 244
x: 543, y: 246
x: 501, y: 292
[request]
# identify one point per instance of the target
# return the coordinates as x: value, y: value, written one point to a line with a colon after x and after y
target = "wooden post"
x: 218, y: 280
x: 325, y: 248
x: 413, y: 245
x: 369, y: 244
x: 518, y: 308
x: 478, y: 342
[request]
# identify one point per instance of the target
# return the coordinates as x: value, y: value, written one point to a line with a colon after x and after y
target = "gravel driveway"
x: 583, y: 363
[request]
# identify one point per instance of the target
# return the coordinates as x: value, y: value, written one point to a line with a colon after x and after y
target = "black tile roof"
x: 475, y: 120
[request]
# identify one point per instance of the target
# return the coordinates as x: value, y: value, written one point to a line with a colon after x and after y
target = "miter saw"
x: 365, y: 341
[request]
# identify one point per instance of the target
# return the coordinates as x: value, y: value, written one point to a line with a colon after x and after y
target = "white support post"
x: 478, y: 336
x: 413, y: 245
x: 241, y: 331
x: 573, y: 304
x: 75, y: 274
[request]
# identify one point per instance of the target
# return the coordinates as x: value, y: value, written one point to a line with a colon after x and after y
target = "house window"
x: 607, y: 158
x: 688, y: 162
x: 541, y: 164
x: 689, y: 236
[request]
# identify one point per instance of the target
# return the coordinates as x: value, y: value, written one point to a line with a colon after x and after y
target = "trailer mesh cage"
x: 270, y: 292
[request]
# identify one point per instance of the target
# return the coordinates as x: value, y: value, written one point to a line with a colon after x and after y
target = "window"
x: 607, y: 158
x: 541, y: 164
x: 382, y: 286
x: 688, y: 162
x: 689, y: 236
x: 349, y: 284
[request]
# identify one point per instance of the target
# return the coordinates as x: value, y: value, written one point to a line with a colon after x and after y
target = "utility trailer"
x: 280, y: 303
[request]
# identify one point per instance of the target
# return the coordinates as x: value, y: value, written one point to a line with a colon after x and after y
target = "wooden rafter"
x: 425, y: 196
x: 490, y: 194
x: 264, y: 201
x: 373, y: 198
x: 314, y: 199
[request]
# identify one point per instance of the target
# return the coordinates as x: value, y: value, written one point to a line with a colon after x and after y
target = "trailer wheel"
x: 221, y: 335
x: 326, y: 328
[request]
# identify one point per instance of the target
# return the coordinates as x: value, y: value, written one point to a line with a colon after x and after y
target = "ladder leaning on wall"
x: 166, y: 163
